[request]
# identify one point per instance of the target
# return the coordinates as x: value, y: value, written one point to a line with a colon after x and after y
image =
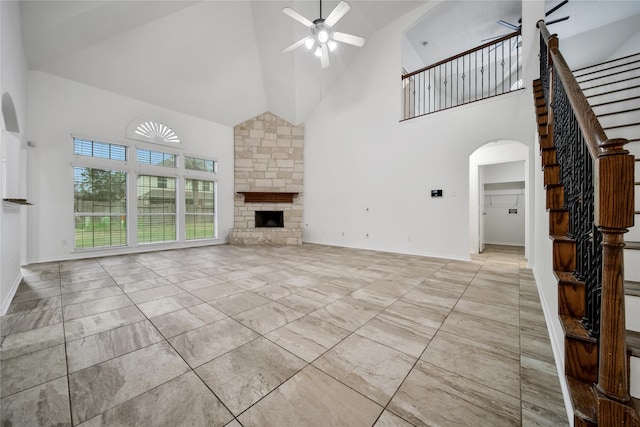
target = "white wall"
x: 13, y: 80
x: 504, y: 172
x: 505, y: 213
x: 367, y: 173
x: 59, y: 108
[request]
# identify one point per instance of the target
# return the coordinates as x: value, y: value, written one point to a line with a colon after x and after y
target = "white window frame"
x: 133, y: 169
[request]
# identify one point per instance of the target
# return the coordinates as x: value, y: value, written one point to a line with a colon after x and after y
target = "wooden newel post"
x: 612, y: 371
x: 614, y: 214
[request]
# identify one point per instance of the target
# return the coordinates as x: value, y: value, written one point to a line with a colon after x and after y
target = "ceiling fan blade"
x: 295, y: 15
x: 348, y: 39
x: 337, y: 13
x: 295, y: 45
x: 553, y: 9
x: 324, y: 59
x: 508, y: 25
x: 555, y: 21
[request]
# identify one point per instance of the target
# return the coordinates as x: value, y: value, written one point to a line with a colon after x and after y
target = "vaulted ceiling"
x: 222, y: 60
x: 218, y: 60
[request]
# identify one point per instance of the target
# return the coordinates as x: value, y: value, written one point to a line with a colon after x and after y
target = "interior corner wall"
x: 368, y: 176
x: 13, y: 81
x: 59, y: 108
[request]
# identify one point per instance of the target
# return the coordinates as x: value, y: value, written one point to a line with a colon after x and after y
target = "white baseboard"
x: 558, y: 352
x: 7, y: 302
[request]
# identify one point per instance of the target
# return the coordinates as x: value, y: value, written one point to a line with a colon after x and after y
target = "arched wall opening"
x: 505, y: 163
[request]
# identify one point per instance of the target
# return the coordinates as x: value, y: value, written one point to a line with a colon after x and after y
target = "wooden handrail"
x: 460, y: 55
x: 613, y: 211
x: 597, y: 141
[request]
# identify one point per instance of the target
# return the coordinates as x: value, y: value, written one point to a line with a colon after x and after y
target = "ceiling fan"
x: 322, y: 37
x: 514, y: 27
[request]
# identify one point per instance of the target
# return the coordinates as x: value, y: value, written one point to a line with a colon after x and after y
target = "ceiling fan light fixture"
x: 309, y: 43
x: 323, y: 39
x: 323, y: 36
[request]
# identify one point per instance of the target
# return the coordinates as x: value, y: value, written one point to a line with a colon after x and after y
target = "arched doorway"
x: 498, y: 195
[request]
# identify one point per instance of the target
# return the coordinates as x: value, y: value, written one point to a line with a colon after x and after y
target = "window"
x: 200, y: 209
x: 102, y: 150
x: 100, y: 208
x: 162, y: 182
x: 156, y: 158
x: 193, y: 163
x: 170, y: 200
x: 156, y: 209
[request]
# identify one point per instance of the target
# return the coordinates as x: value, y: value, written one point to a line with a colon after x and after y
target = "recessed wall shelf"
x: 14, y: 202
x: 267, y: 197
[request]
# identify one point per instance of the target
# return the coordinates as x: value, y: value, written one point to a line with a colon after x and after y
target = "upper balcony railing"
x: 489, y: 70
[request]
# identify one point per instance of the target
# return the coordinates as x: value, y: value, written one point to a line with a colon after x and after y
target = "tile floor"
x: 279, y: 336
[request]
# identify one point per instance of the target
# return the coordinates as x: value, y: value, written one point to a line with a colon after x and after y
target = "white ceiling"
x: 218, y: 60
x: 474, y: 21
x: 222, y: 60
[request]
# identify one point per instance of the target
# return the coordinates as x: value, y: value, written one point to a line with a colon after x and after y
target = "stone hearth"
x: 268, y: 159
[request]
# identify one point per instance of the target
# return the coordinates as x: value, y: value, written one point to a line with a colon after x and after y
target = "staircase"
x: 587, y: 120
x: 612, y: 89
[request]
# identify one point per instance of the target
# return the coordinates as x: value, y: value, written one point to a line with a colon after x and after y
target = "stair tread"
x: 562, y: 239
x: 632, y: 245
x: 632, y: 288
x: 633, y: 343
x: 583, y: 399
x: 566, y: 277
x: 583, y: 70
x: 574, y: 328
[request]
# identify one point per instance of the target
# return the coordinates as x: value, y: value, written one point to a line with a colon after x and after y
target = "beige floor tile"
x: 181, y: 321
x: 32, y: 369
x: 85, y: 326
x: 312, y: 399
x: 20, y: 322
x: 476, y: 361
x: 31, y: 340
x: 398, y: 333
x: 106, y: 345
x: 372, y: 369
x: 83, y: 309
x: 108, y: 384
x: 182, y: 401
x: 389, y: 419
x: 308, y: 337
x: 245, y: 375
x: 34, y: 306
x: 498, y: 334
x: 43, y: 405
x: 216, y: 292
x: 210, y: 341
x: 267, y: 317
x: 166, y: 305
x: 91, y: 295
x: 348, y: 313
x: 152, y: 294
x: 433, y: 396
x: 238, y: 303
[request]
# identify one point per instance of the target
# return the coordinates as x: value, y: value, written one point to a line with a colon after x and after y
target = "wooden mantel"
x: 267, y: 197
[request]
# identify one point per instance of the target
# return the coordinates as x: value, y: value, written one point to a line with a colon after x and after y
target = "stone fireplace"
x: 268, y: 174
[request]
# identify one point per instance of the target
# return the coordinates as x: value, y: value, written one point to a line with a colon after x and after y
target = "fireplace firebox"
x: 269, y: 219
